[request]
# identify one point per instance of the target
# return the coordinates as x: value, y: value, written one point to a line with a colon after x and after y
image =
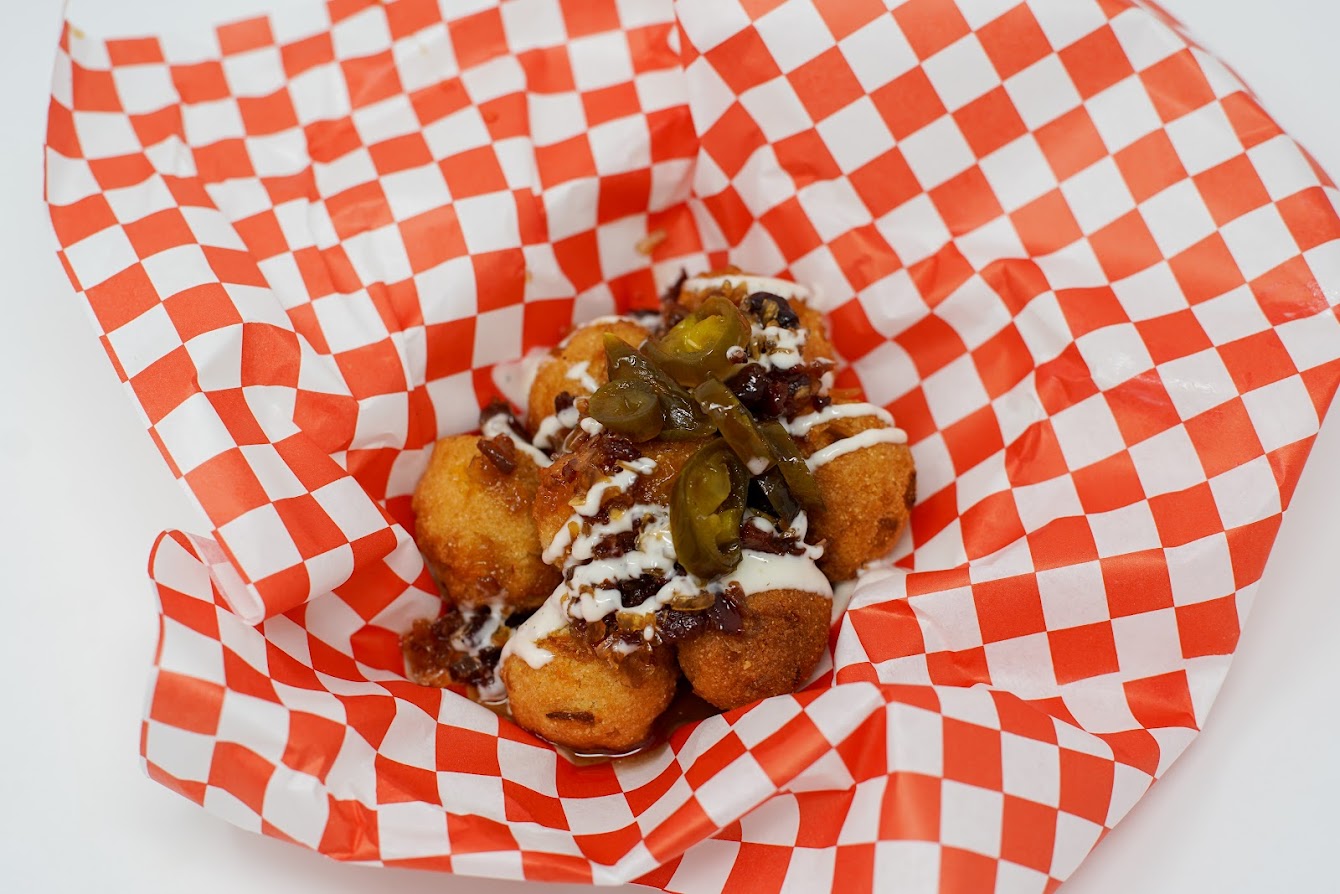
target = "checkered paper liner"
x: 1092, y: 279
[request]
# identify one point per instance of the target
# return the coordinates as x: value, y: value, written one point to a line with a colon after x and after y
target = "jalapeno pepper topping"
x: 773, y: 487
x: 709, y: 342
x: 683, y: 419
x: 706, y: 508
x: 791, y: 462
x: 629, y: 407
x: 736, y: 426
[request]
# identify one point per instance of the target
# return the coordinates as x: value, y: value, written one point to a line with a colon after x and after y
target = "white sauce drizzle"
x: 801, y: 425
x: 591, y: 426
x: 782, y: 287
x: 580, y: 372
x: 760, y: 572
x: 548, y: 619
x: 868, y: 438
x: 552, y: 428
x: 498, y: 425
x: 778, y: 347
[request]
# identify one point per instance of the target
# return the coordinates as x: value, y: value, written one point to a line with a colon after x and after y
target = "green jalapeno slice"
x: 684, y: 421
x: 773, y: 487
x: 629, y: 407
x: 799, y: 479
x: 708, y: 342
x: 706, y: 508
x: 736, y: 426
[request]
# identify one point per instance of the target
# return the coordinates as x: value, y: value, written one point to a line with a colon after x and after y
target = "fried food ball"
x: 817, y: 348
x: 867, y: 493
x: 474, y: 526
x: 783, y: 637
x: 572, y: 475
x: 563, y: 369
x: 587, y: 702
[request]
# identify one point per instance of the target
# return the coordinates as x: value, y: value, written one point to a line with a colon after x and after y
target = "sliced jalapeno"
x: 736, y: 426
x: 706, y: 508
x: 708, y: 342
x: 629, y: 407
x: 684, y: 420
x: 773, y: 487
x: 799, y: 479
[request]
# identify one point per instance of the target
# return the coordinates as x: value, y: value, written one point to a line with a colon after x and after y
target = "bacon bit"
x: 647, y: 244
x: 500, y: 451
x: 575, y: 716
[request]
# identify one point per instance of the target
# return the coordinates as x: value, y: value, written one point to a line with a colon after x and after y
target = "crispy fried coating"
x: 474, y: 525
x: 585, y: 345
x: 818, y: 347
x: 784, y: 636
x: 867, y: 493
x: 587, y: 702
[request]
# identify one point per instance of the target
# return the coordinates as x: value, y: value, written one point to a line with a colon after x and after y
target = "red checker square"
x: 825, y: 84
x: 249, y: 34
x: 714, y: 760
x: 122, y: 297
x: 548, y: 70
x: 1108, y: 484
x: 1022, y: 718
x: 1028, y: 833
x: 1087, y: 310
x: 1014, y: 41
x: 845, y: 17
x: 1086, y: 785
x: 473, y: 172
x: 198, y: 83
x: 1079, y: 653
x: 306, y: 54
x: 930, y: 25
x: 150, y: 128
x: 1206, y: 270
x: 1064, y: 381
x: 805, y: 157
x: 1231, y: 189
x: 940, y: 275
x: 351, y: 831
x: 606, y: 847
x: 908, y: 103
x: 973, y: 439
x: 991, y: 525
x: 564, y: 162
x: 913, y: 414
x: 1289, y: 292
x: 371, y: 78
x: 262, y: 234
x: 790, y: 228
x: 888, y: 631
x: 1096, y: 62
x: 1150, y: 165
x: 1184, y: 516
x: 188, y: 703
x: 478, y: 38
x: 240, y: 676
x: 1209, y: 628
x: 61, y: 134
x: 911, y: 808
x: 506, y: 117
x: 437, y: 101
x: 972, y: 754
x: 525, y: 805
x: 462, y: 750
x: 1224, y: 437
x: 1249, y: 547
x: 505, y: 273
x: 1071, y: 143
x: 93, y: 90
x: 241, y: 772
x: 313, y: 531
x: 232, y: 408
x: 399, y: 783
x: 1257, y: 360
x: 1177, y: 85
x: 81, y: 219
x: 226, y: 487
x: 1141, y: 408
x: 1161, y: 701
x: 963, y: 668
x: 853, y: 336
x: 583, y: 17
x: 1251, y: 123
x: 1008, y: 608
x: 443, y: 343
x: 989, y: 122
x: 1062, y: 542
x: 733, y: 139
x: 966, y: 202
x: 400, y: 153
x: 932, y: 344
x: 233, y: 266
x: 884, y: 183
x: 962, y: 870
x: 1137, y: 582
x: 411, y: 16
x: 313, y: 743
x: 576, y: 256
x: 432, y: 238
x: 743, y: 61
x: 669, y: 138
x: 787, y: 752
x: 134, y: 51
x: 1310, y: 218
x: 758, y: 867
x: 1125, y: 247
x: 623, y: 194
x: 921, y: 583
x: 163, y: 385
x: 373, y: 369
x: 1046, y: 224
x: 158, y: 232
x: 618, y: 101
x: 863, y: 256
x: 188, y: 191
x: 224, y: 160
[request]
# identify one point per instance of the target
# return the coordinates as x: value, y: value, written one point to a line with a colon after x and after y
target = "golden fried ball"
x: 585, y: 345
x: 784, y: 636
x: 474, y: 525
x: 867, y: 493
x: 587, y: 702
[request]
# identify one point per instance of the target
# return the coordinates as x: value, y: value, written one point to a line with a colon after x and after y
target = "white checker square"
x: 1231, y: 316
x: 489, y: 222
x: 1086, y: 432
x: 1114, y: 354
x: 775, y: 821
x: 914, y: 740
x: 1167, y: 462
x: 1204, y: 139
x: 707, y: 23
x: 71, y: 179
x: 349, y: 321
x: 193, y: 432
x: 258, y: 72
x: 260, y: 542
x: 1072, y: 595
x: 948, y: 619
x: 1030, y: 769
x: 657, y: 90
x: 935, y: 468
x: 795, y: 33
x: 1123, y: 113
x: 414, y: 190
x: 1148, y: 644
x: 1247, y: 493
x: 914, y: 229
x: 426, y: 57
x: 1098, y: 195
x: 1197, y: 382
x: 385, y: 119
x: 140, y: 88
x: 210, y: 122
x: 1282, y: 413
x: 379, y: 256
x: 855, y: 134
x: 362, y: 34
x: 1125, y: 530
x: 1019, y: 879
x: 777, y: 109
x: 1022, y: 665
x: 110, y: 134
x: 1144, y: 38
x: 1018, y: 173
x: 183, y: 754
x: 877, y: 53
x: 231, y: 809
x: 937, y: 152
x: 1075, y: 837
x: 706, y: 867
x: 990, y: 242
x: 459, y: 132
x: 621, y: 145
x: 961, y: 72
x: 101, y: 256
x: 911, y: 865
x: 975, y: 311
x: 955, y: 391
x: 185, y: 651
x: 1042, y: 92
x: 260, y: 725
x: 320, y: 93
x: 600, y: 60
x: 491, y: 864
x: 217, y: 356
x: 734, y: 789
x: 498, y: 335
x: 350, y: 507
x: 711, y: 95
x: 1259, y: 241
x: 1066, y: 23
x: 1043, y: 327
x: 500, y: 76
x: 1201, y: 570
x: 1313, y: 340
x: 598, y: 813
x: 530, y: 24
x: 330, y: 569
x: 1177, y: 218
x: 970, y: 817
x: 1099, y: 705
x: 810, y: 869
x: 1128, y: 786
x: 832, y: 207
x: 472, y: 793
x: 410, y: 829
x: 1282, y: 167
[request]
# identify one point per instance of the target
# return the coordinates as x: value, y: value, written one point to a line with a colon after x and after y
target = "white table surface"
x: 1250, y: 808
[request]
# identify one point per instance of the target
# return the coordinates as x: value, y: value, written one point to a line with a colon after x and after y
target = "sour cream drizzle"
x: 580, y: 372
x: 554, y: 425
x: 751, y: 284
x: 868, y: 438
x: 801, y: 425
x: 498, y: 425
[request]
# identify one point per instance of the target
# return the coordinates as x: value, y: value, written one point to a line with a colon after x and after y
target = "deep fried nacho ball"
x: 867, y: 493
x: 563, y: 369
x: 587, y: 702
x: 474, y: 526
x: 783, y: 637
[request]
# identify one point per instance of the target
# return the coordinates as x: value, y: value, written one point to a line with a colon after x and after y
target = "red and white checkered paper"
x: 1086, y: 272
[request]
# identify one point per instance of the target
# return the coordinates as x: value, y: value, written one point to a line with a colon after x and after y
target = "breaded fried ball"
x: 867, y: 493
x: 817, y: 345
x: 784, y: 635
x: 562, y: 370
x: 587, y: 702
x: 474, y: 525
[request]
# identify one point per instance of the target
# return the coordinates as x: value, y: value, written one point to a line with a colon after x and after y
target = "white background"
x: 1250, y: 808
